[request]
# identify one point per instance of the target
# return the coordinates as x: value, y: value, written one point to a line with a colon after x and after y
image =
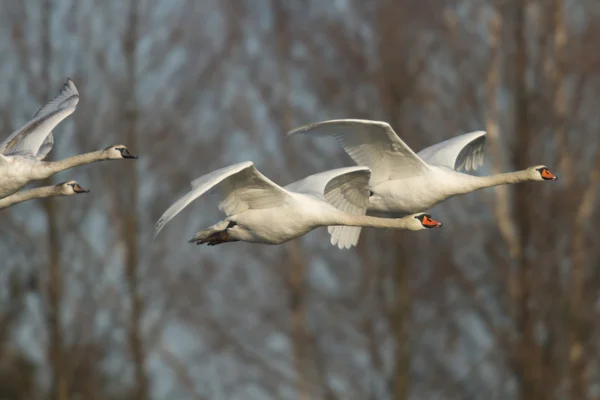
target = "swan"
x: 22, y: 153
x: 61, y: 189
x: 403, y: 182
x: 260, y: 211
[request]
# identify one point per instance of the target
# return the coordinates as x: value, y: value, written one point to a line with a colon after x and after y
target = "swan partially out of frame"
x: 260, y: 211
x: 21, y: 154
x: 404, y: 182
x: 61, y: 189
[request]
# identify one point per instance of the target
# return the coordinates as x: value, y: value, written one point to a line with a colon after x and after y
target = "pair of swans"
x: 23, y: 152
x: 260, y: 211
x: 391, y: 179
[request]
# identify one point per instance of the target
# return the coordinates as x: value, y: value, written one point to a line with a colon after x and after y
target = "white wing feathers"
x: 32, y: 138
x: 242, y: 186
x: 347, y: 189
x: 464, y: 152
x: 318, y: 183
x: 373, y: 144
x: 348, y: 192
x: 46, y: 147
x: 250, y: 189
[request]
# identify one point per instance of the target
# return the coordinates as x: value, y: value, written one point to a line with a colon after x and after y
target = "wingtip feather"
x: 69, y: 86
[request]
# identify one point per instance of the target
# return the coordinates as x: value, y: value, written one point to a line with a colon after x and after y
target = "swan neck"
x: 367, y: 221
x: 53, y: 167
x: 482, y: 182
x: 30, y: 194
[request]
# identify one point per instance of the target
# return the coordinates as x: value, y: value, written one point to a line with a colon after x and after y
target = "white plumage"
x: 404, y: 182
x: 260, y: 211
x: 21, y: 154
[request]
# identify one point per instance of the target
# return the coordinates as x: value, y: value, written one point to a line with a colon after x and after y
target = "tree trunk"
x: 299, y: 334
x: 528, y: 370
x: 130, y: 220
x: 55, y: 352
x: 401, y: 314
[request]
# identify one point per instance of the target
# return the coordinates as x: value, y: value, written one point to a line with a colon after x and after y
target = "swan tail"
x: 344, y: 236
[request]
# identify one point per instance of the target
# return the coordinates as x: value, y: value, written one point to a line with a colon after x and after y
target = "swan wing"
x: 373, y: 144
x: 3, y: 160
x: 32, y: 138
x: 317, y: 184
x: 349, y: 192
x: 242, y: 187
x: 347, y: 189
x: 464, y: 152
x: 46, y: 147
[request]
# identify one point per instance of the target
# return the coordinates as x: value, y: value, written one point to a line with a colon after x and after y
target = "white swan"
x: 260, y: 211
x: 403, y: 182
x: 21, y: 154
x: 61, y: 189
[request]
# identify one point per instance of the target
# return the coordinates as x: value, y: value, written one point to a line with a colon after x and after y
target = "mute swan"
x: 403, y: 182
x: 21, y: 154
x: 260, y: 211
x: 62, y: 189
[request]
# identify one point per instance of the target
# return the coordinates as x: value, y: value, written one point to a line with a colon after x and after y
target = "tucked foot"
x: 212, y: 239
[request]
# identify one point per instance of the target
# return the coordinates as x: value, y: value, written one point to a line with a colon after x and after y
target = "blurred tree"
x: 500, y: 303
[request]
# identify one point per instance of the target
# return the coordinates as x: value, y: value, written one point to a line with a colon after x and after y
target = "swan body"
x: 422, y: 192
x: 68, y: 188
x: 260, y: 211
x: 404, y: 182
x: 22, y: 153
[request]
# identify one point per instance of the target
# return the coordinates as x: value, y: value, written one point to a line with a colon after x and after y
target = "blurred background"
x: 502, y: 303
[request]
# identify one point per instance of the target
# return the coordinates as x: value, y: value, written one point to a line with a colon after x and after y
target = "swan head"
x: 541, y: 173
x: 118, y: 152
x: 423, y: 221
x: 70, y: 188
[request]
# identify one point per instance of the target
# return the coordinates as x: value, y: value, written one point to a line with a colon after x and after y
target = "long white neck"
x: 470, y: 183
x: 24, y: 195
x: 365, y: 221
x: 52, y: 167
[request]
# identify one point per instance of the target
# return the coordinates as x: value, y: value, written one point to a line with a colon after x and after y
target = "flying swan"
x: 260, y: 211
x: 21, y: 154
x: 403, y: 182
x: 61, y: 189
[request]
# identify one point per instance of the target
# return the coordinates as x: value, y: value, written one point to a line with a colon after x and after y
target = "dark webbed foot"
x: 215, y: 238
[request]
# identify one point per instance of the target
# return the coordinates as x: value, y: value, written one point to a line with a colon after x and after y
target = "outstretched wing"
x: 32, y: 138
x: 350, y: 193
x: 373, y: 144
x: 347, y: 189
x: 46, y: 147
x: 464, y: 152
x: 242, y: 186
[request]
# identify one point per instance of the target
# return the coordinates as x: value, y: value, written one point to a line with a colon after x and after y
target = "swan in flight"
x: 403, y: 182
x: 62, y: 189
x: 21, y: 154
x: 260, y: 211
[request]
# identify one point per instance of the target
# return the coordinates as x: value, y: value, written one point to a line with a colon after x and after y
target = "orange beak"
x: 549, y: 176
x: 431, y: 223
